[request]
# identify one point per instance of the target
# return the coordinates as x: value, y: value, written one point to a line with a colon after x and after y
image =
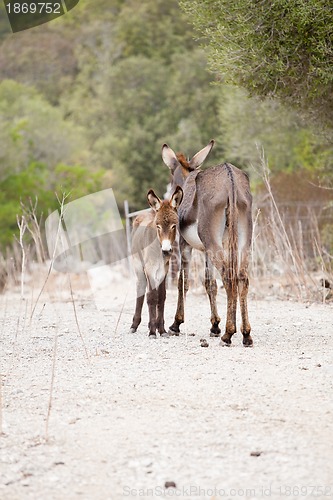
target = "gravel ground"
x: 129, y: 414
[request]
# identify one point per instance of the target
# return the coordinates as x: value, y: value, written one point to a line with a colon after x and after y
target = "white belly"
x: 190, y: 233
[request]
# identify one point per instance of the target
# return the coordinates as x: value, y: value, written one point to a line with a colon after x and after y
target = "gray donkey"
x: 215, y: 217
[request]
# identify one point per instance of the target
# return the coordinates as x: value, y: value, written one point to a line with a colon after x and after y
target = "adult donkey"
x: 153, y: 235
x: 215, y: 217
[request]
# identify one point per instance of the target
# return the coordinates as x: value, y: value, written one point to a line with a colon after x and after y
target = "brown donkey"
x: 215, y: 217
x: 153, y: 236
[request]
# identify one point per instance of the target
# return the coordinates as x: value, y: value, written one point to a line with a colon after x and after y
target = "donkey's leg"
x: 212, y: 236
x: 217, y: 257
x: 243, y: 287
x: 160, y: 308
x: 231, y: 289
x: 183, y: 285
x: 211, y: 289
x: 152, y: 300
x: 245, y: 234
x: 140, y: 297
x: 175, y: 262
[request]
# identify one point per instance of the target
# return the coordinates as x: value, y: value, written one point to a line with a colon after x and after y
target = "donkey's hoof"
x: 152, y: 335
x: 247, y: 341
x: 215, y: 330
x: 173, y: 332
x: 164, y: 334
x: 132, y: 329
x: 226, y: 340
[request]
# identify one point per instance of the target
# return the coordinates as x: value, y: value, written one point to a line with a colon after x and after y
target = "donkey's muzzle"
x: 166, y: 247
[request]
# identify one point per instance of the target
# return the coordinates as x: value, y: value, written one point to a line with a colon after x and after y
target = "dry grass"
x: 281, y: 253
x: 282, y: 256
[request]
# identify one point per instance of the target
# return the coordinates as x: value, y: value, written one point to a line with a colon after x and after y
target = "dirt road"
x: 136, y: 413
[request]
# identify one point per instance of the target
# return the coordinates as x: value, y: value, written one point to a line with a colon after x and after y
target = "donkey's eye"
x: 158, y: 227
x: 173, y: 226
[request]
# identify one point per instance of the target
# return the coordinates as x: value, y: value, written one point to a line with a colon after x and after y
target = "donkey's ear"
x: 169, y: 158
x: 153, y: 200
x: 200, y: 157
x: 177, y: 197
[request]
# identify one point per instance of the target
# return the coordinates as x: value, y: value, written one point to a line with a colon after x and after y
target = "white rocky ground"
x: 136, y: 413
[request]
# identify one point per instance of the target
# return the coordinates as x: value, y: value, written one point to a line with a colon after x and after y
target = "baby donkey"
x: 152, y: 238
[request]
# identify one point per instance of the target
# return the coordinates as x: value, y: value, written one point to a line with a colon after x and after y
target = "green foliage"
x: 33, y: 130
x: 36, y: 143
x: 275, y: 48
x: 251, y: 126
x: 45, y: 60
x: 87, y: 101
x: 142, y: 83
x: 76, y: 180
x: 149, y: 105
x: 153, y: 29
x: 37, y: 181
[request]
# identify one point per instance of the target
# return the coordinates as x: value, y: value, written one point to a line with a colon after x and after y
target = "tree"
x: 153, y: 29
x: 40, y: 154
x: 250, y: 126
x: 33, y: 130
x: 36, y: 181
x: 40, y: 58
x: 142, y: 81
x: 272, y: 48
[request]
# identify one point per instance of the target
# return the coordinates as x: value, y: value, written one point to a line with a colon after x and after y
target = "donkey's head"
x: 166, y: 218
x: 179, y: 166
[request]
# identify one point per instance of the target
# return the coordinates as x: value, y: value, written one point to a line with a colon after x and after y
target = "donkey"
x: 152, y: 238
x: 215, y: 217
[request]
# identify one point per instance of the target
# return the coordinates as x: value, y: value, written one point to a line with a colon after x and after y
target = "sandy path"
x: 220, y: 422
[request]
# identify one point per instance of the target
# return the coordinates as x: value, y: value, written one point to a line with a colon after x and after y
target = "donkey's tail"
x: 232, y: 221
